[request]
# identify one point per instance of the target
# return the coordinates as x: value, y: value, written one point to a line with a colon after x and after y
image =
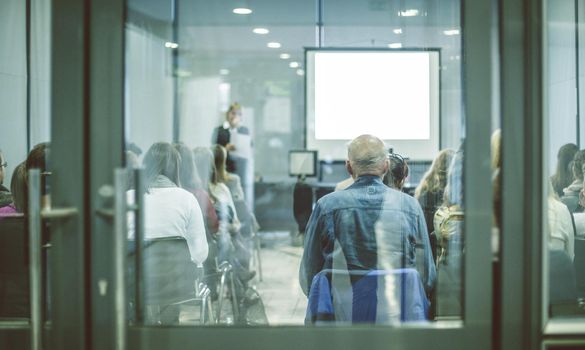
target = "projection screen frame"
x: 436, y: 50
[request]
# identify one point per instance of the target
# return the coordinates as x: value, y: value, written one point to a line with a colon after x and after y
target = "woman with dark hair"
x: 571, y: 193
x: 430, y: 190
x: 169, y: 210
x: 397, y: 172
x: 563, y: 176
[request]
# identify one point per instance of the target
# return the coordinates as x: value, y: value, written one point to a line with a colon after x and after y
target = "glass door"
x: 214, y: 90
x: 157, y: 85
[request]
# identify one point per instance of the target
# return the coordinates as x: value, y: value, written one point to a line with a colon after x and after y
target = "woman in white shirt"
x: 170, y: 211
x: 562, y: 233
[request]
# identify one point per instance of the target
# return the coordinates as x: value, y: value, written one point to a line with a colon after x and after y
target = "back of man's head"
x: 367, y: 155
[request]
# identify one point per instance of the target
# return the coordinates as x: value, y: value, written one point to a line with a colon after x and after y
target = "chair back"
x: 563, y: 288
x: 375, y: 296
x: 169, y: 274
x: 14, y: 267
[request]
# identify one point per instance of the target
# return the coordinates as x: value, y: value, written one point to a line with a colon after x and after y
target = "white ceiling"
x: 211, y: 36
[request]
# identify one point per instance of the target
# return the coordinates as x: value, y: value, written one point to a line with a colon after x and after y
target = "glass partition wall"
x: 24, y: 136
x: 564, y: 231
x: 192, y: 67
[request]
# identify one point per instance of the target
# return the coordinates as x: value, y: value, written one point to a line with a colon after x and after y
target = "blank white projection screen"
x: 390, y: 94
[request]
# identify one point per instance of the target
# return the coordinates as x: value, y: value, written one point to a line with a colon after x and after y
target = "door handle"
x: 34, y: 223
x: 120, y: 238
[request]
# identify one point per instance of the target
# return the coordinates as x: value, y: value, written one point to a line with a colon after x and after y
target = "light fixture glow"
x: 395, y: 45
x: 451, y: 32
x: 242, y: 11
x: 408, y: 13
x: 224, y: 71
x: 260, y: 31
x: 273, y: 45
x: 300, y: 72
x: 171, y: 45
x: 294, y: 64
x: 284, y: 56
x: 397, y: 31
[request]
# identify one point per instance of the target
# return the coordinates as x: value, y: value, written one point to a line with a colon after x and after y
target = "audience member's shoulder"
x: 233, y: 177
x: 178, y: 193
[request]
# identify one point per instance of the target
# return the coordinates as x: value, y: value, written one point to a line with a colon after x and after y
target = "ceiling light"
x: 284, y: 56
x: 260, y: 31
x: 408, y: 13
x: 171, y: 45
x: 300, y: 72
x: 242, y: 11
x: 451, y: 32
x: 395, y: 45
x: 273, y: 45
x: 397, y: 31
x: 294, y: 64
x: 224, y: 71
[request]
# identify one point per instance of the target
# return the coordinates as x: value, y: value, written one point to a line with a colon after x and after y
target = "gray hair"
x: 367, y: 154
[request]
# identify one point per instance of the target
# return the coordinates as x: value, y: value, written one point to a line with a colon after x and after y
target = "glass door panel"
x: 25, y: 116
x: 216, y: 112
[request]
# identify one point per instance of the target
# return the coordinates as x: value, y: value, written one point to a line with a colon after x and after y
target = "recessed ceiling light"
x: 395, y: 45
x: 451, y: 32
x: 300, y: 72
x: 260, y: 31
x: 408, y: 13
x: 242, y: 11
x: 224, y: 71
x: 284, y: 56
x: 397, y: 31
x: 274, y: 45
x: 171, y: 45
x: 294, y: 64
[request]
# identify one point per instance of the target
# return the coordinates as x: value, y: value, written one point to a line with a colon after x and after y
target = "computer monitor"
x: 302, y: 163
x: 332, y: 171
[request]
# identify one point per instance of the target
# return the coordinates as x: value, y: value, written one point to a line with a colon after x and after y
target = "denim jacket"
x: 367, y: 226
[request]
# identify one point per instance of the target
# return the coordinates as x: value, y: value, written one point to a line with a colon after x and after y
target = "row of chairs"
x: 170, y: 278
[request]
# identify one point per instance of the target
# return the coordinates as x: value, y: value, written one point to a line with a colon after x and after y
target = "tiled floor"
x: 284, y: 302
x: 283, y: 299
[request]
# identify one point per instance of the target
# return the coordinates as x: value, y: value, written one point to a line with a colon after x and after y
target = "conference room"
x: 249, y: 107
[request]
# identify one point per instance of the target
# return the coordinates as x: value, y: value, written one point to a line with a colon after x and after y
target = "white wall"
x: 12, y: 83
x: 200, y: 105
x: 149, y: 89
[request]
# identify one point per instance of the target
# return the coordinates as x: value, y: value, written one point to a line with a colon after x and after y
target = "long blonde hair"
x: 435, y: 179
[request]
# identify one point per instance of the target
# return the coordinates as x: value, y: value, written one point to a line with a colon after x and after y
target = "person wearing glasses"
x: 367, y: 228
x: 5, y: 196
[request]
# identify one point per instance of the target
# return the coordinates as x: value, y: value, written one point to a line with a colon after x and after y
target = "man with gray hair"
x: 367, y: 227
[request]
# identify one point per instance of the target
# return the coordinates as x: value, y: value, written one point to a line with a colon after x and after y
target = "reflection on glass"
x: 232, y: 103
x: 25, y: 119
